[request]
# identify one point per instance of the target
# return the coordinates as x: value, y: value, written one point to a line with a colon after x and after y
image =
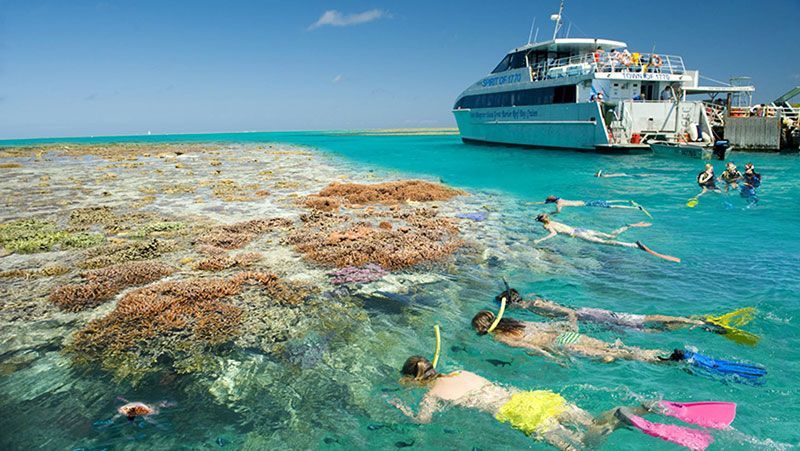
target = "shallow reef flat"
x: 217, y: 269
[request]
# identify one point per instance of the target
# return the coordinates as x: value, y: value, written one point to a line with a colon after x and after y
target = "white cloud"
x: 337, y: 78
x: 337, y: 19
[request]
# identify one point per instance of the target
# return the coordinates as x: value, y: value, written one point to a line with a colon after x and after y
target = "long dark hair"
x: 484, y: 319
x: 418, y: 368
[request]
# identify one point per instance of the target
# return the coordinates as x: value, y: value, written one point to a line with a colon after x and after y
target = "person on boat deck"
x: 594, y: 236
x: 541, y: 414
x: 731, y: 176
x: 751, y: 181
x: 666, y: 94
x: 550, y: 309
x: 707, y: 181
x: 561, y: 203
x: 555, y: 339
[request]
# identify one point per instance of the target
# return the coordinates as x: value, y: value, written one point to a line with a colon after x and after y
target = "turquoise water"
x: 732, y: 257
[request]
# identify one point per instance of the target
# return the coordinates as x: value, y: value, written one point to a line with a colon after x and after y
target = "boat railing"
x: 715, y: 113
x: 607, y: 62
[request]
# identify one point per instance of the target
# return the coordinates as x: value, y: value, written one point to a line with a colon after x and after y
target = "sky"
x: 82, y: 68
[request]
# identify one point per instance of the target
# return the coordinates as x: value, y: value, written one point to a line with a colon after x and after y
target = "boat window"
x: 522, y: 97
x: 517, y: 60
x: 503, y: 66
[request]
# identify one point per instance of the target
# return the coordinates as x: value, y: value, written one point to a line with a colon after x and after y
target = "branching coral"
x: 334, y: 239
x: 101, y: 285
x: 235, y: 236
x: 125, y: 251
x: 389, y: 192
x: 220, y: 262
x: 173, y: 323
x: 33, y: 235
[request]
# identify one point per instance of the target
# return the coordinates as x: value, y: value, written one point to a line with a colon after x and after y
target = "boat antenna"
x: 557, y: 19
x: 569, y: 28
x: 531, y: 33
x: 536, y: 36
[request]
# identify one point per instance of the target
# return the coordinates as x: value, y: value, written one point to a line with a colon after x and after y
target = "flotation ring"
x: 656, y: 61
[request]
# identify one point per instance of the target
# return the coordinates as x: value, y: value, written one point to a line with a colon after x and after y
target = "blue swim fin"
x: 724, y: 367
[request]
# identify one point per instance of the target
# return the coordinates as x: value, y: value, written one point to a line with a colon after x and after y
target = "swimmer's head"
x: 512, y: 296
x: 730, y: 165
x: 551, y: 200
x: 543, y: 218
x: 749, y: 167
x: 709, y: 166
x: 483, y: 320
x: 418, y: 368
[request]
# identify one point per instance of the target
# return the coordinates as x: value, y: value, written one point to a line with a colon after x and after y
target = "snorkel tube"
x: 438, y: 346
x: 502, y: 308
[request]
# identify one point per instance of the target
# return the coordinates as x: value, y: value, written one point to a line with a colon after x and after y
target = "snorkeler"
x: 606, y: 175
x: 546, y: 415
x: 550, y: 309
x: 726, y: 324
x: 561, y: 203
x: 706, y: 180
x: 554, y: 338
x: 751, y: 181
x: 731, y: 176
x: 594, y: 236
x: 131, y: 410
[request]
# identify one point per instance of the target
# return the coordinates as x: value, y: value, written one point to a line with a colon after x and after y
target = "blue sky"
x: 74, y: 68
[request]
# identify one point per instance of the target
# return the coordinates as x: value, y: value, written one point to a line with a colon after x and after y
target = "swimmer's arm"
x: 427, y: 407
x: 550, y: 309
x: 550, y: 235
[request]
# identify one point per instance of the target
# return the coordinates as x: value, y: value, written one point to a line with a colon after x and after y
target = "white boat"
x: 584, y: 94
x: 719, y: 151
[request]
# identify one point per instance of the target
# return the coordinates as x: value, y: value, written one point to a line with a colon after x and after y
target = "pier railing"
x: 609, y: 62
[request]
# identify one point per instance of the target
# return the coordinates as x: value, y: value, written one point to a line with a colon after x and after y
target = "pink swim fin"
x: 690, y: 438
x: 717, y: 415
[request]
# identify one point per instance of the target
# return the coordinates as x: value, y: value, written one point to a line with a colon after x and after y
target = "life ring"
x: 656, y: 61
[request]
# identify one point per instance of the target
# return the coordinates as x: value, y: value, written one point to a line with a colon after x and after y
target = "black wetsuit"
x: 731, y: 177
x: 708, y: 184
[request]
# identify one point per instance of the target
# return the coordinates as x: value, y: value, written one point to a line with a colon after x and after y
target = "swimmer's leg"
x: 671, y: 322
x: 606, y: 423
x: 594, y: 239
x: 563, y: 438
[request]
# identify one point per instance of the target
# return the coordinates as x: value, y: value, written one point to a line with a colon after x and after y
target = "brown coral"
x: 102, y: 284
x: 334, y: 239
x: 220, y: 262
x: 238, y: 235
x: 390, y: 192
x: 175, y: 323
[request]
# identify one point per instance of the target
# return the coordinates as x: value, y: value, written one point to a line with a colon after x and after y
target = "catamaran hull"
x: 576, y: 126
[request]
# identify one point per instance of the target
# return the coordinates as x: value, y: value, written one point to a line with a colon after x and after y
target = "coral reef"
x: 101, y: 285
x: 220, y: 262
x: 236, y: 236
x: 125, y: 251
x: 47, y: 271
x: 389, y: 192
x: 337, y: 240
x: 352, y: 274
x: 27, y: 236
x: 158, y: 227
x: 178, y: 324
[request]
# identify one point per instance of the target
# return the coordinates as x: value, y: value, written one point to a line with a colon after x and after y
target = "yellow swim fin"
x: 730, y: 323
x: 692, y: 202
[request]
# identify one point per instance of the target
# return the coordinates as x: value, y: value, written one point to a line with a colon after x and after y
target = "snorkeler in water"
x: 707, y: 181
x: 551, y: 309
x: 608, y: 175
x: 731, y: 176
x: 594, y: 236
x: 559, y: 338
x: 546, y: 415
x: 561, y: 203
x: 751, y: 181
